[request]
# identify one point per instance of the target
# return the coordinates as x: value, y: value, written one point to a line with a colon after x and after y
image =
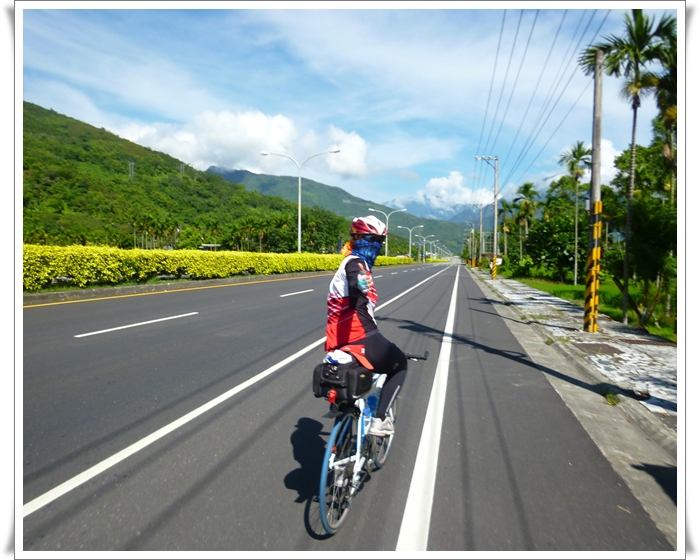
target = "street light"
x: 429, y: 242
x: 481, y: 235
x: 386, y: 246
x: 488, y: 159
x: 299, y: 167
x: 424, y: 238
x: 433, y: 245
x: 410, y: 232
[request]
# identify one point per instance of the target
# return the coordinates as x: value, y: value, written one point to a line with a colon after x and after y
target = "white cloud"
x: 608, y: 153
x: 448, y: 193
x: 236, y: 140
x: 232, y: 140
x: 352, y: 159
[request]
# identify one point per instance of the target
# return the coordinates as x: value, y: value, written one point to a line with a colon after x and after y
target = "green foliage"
x: 524, y: 268
x: 650, y: 170
x: 78, y: 190
x: 82, y: 266
x: 551, y: 244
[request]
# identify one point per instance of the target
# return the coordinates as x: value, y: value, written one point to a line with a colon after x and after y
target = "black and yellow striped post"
x: 595, y: 230
x: 590, y: 314
x: 494, y: 268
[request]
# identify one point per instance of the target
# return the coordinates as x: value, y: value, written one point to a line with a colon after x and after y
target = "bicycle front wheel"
x: 336, y: 474
x: 382, y: 444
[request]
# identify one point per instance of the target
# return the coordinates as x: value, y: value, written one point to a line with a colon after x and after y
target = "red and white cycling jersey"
x: 351, y: 302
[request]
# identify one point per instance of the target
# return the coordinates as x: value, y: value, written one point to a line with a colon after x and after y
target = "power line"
x: 544, y: 67
x: 505, y: 79
x: 551, y: 100
x: 493, y: 75
x: 550, y: 94
x: 556, y: 129
x: 557, y: 101
x: 527, y: 45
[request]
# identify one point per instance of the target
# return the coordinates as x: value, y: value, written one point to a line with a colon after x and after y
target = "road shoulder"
x: 622, y: 433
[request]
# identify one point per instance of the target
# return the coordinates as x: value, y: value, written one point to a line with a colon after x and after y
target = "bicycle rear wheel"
x: 382, y: 445
x: 336, y: 479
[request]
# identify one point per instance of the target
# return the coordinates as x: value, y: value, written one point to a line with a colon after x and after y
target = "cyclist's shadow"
x: 309, y: 447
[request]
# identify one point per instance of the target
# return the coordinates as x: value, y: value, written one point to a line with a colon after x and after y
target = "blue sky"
x: 410, y: 97
x: 404, y: 94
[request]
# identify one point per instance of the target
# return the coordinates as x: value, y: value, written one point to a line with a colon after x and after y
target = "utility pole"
x: 494, y: 266
x: 481, y: 231
x: 590, y: 317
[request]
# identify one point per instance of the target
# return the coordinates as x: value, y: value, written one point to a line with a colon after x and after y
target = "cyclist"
x: 351, y: 326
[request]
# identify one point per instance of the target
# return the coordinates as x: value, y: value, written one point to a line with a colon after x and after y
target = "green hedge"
x: 81, y: 266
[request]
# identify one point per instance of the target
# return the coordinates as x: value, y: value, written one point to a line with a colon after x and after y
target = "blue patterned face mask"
x: 368, y: 250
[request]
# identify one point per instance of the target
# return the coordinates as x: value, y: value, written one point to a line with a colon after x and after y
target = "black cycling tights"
x: 387, y: 358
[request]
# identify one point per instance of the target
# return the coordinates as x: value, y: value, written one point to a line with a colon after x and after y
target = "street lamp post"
x: 433, y: 245
x: 471, y: 247
x: 386, y: 245
x: 299, y: 202
x: 424, y: 238
x: 481, y: 236
x: 410, y: 232
x: 488, y: 159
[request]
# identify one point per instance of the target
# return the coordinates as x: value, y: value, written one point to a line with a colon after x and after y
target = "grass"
x: 610, y: 302
x: 611, y: 398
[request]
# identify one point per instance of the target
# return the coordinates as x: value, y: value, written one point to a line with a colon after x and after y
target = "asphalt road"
x: 516, y: 471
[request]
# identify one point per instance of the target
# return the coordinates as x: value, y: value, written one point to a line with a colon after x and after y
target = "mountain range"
x: 341, y: 202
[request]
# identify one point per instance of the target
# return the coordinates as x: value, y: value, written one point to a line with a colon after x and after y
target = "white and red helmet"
x: 368, y: 225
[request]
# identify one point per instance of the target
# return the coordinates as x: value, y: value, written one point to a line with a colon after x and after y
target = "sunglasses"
x: 370, y: 237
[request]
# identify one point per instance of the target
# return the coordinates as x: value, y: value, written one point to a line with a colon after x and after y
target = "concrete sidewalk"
x: 639, y: 435
x: 637, y: 362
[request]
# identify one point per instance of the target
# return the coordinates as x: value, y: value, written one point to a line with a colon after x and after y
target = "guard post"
x: 590, y: 310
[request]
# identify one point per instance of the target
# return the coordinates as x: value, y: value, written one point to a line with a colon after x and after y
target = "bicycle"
x: 351, y: 451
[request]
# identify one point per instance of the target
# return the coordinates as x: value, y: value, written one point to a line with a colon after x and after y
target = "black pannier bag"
x: 350, y: 381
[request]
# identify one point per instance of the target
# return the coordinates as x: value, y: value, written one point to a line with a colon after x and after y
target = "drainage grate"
x: 596, y: 348
x: 649, y: 342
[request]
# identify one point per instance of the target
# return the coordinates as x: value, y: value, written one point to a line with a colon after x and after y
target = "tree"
x: 528, y: 203
x: 505, y: 213
x: 551, y: 244
x: 628, y: 56
x: 665, y: 91
x: 576, y: 159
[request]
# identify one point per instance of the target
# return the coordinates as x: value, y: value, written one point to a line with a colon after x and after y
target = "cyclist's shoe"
x: 381, y: 427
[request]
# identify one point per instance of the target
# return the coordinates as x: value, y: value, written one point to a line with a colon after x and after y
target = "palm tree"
x: 576, y: 159
x: 506, y: 211
x: 628, y: 56
x: 528, y: 203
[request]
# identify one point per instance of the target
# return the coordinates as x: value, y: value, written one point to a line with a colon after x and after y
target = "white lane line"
x: 415, y: 526
x: 377, y: 276
x: 136, y: 324
x: 99, y: 468
x: 295, y: 293
x: 394, y: 272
